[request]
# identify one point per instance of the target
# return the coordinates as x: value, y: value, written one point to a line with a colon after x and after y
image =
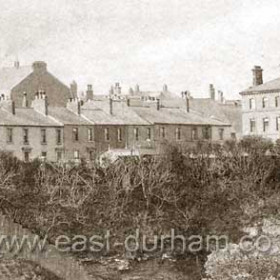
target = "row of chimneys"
x: 212, y: 94
x: 257, y: 80
x: 74, y: 91
x: 137, y: 89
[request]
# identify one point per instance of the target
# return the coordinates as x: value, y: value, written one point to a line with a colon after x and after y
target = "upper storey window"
x: 276, y: 101
x: 252, y: 103
x: 265, y: 102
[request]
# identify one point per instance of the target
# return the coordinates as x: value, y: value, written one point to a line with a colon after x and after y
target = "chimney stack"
x: 8, y: 105
x: 13, y: 108
x: 16, y: 64
x: 257, y: 76
x: 165, y: 88
x: 158, y: 104
x: 220, y: 96
x: 137, y: 89
x: 89, y: 92
x: 74, y: 89
x: 212, y: 91
x: 187, y: 96
x: 39, y: 66
x: 111, y: 106
x: 40, y: 103
x: 118, y: 89
x: 24, y: 100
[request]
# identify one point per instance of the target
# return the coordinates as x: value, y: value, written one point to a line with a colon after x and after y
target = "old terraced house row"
x: 33, y: 124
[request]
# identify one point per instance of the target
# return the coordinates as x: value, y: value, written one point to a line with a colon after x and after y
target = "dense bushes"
x: 211, y: 189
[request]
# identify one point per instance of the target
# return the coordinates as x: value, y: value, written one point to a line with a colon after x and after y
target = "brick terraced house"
x: 42, y: 118
x: 17, y: 81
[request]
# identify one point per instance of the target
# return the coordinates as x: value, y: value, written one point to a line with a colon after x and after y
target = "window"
x: 162, y: 132
x: 252, y: 103
x: 221, y: 133
x: 90, y: 134
x: 265, y: 124
x: 194, y: 133
x: 58, y: 155
x: 277, y: 123
x: 136, y: 133
x: 233, y: 135
x: 25, y: 136
x: 43, y: 136
x: 252, y: 125
x: 58, y: 137
x: 206, y: 132
x: 276, y: 101
x: 9, y: 135
x: 76, y: 154
x: 106, y: 134
x: 178, y: 133
x: 91, y: 155
x: 119, y: 134
x: 44, y: 155
x: 26, y: 156
x: 265, y: 102
x: 75, y: 134
x: 149, y: 133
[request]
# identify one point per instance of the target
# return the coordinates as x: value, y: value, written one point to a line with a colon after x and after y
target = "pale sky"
x: 185, y: 44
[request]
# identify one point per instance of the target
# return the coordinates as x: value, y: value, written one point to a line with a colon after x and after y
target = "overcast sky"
x: 185, y: 44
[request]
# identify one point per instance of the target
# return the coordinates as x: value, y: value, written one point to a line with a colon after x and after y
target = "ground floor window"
x: 265, y: 124
x: 252, y: 125
x: 26, y: 156
x: 194, y: 133
x: 277, y: 123
x: 221, y: 133
x: 76, y: 154
x: 91, y: 155
x: 178, y: 133
x: 233, y: 136
x: 58, y: 155
x: 206, y: 132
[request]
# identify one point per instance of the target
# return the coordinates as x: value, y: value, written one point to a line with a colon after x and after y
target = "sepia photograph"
x: 139, y: 140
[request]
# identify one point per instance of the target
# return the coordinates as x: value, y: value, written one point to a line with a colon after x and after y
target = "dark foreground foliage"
x: 210, y: 190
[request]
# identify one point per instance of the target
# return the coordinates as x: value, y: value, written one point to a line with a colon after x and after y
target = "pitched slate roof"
x: 270, y: 86
x: 120, y: 111
x: 67, y: 117
x: 26, y: 117
x: 174, y: 116
x: 230, y: 113
x: 98, y: 116
x: 12, y: 76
